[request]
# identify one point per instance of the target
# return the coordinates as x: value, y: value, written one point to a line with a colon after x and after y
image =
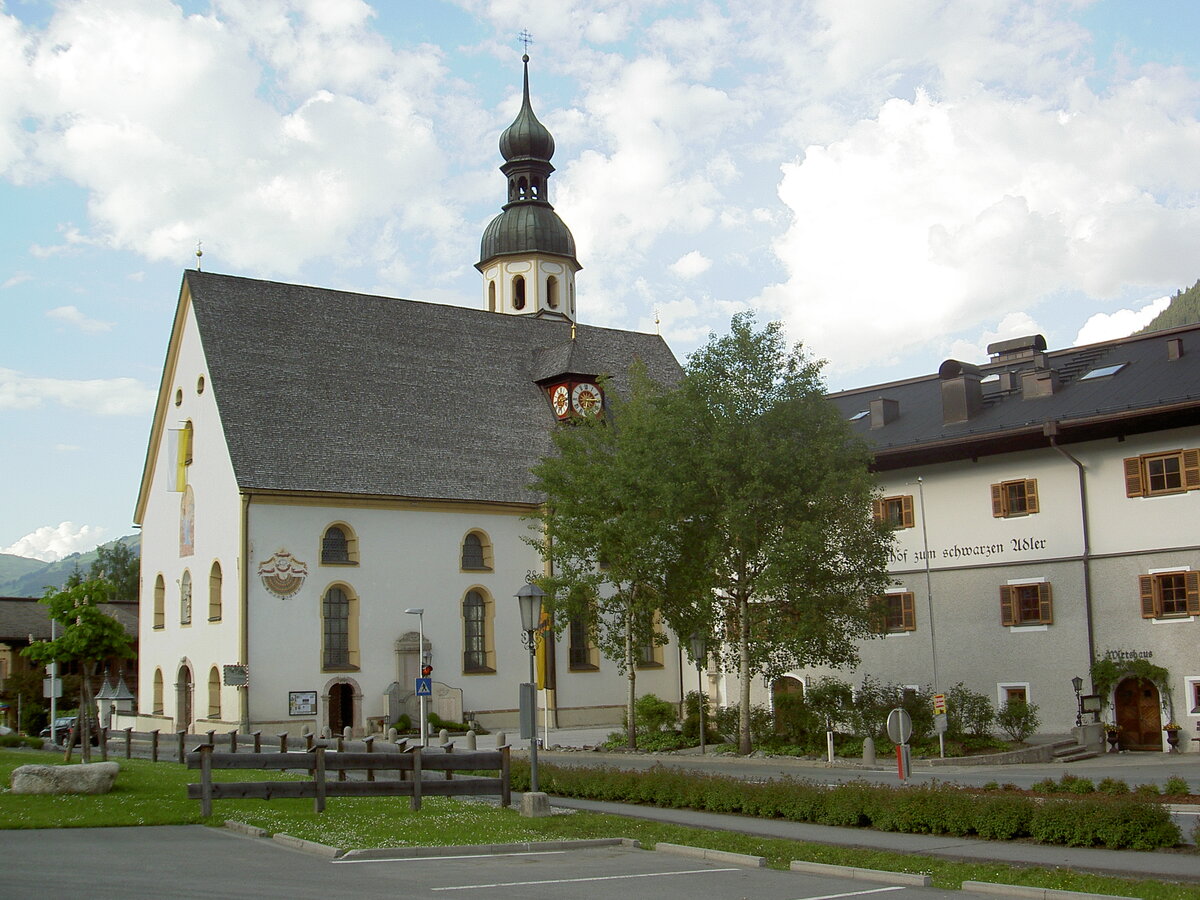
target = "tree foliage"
x: 87, y: 635
x: 120, y: 567
x: 736, y: 504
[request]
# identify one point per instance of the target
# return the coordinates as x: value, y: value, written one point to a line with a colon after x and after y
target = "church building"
x: 335, y: 492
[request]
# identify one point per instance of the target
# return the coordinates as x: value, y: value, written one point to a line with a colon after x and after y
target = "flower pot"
x: 1113, y: 737
x: 1173, y: 739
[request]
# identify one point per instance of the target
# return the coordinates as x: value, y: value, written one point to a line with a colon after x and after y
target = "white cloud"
x: 1119, y: 324
x: 72, y: 316
x: 691, y: 265
x: 102, y: 396
x: 1017, y: 324
x: 19, y: 278
x: 51, y: 543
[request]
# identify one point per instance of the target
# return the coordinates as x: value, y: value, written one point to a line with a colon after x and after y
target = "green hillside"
x: 22, y: 577
x: 1184, y: 310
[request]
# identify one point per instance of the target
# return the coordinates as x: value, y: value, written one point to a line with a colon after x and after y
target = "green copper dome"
x: 526, y: 137
x: 525, y: 227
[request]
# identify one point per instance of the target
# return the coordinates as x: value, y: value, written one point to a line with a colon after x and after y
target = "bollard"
x: 869, y: 751
x: 501, y: 740
x: 470, y: 740
x: 154, y: 745
x: 258, y: 742
x: 392, y: 734
x: 128, y: 742
x: 443, y: 736
x: 347, y: 732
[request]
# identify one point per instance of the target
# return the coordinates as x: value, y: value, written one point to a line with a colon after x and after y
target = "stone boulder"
x: 88, y: 778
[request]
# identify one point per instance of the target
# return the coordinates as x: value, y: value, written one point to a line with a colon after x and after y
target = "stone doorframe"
x: 357, y: 714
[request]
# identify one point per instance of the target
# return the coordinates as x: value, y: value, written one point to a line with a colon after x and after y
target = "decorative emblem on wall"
x: 283, y: 575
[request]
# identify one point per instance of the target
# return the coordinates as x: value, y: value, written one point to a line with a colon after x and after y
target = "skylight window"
x: 1104, y: 371
x: 860, y: 415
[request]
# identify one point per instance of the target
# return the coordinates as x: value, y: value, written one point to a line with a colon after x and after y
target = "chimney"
x: 1017, y: 348
x: 1174, y: 348
x: 1038, y: 383
x: 884, y: 411
x: 962, y: 395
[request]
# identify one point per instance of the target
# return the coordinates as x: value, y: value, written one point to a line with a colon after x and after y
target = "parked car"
x: 62, y: 729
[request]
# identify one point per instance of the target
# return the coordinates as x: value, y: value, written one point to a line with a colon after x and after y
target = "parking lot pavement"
x: 194, y: 861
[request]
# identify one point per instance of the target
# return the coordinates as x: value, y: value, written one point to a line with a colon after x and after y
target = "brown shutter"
x: 1046, y: 603
x: 1192, y: 581
x: 907, y: 607
x: 1006, y: 606
x: 1031, y: 500
x: 1133, y: 477
x: 906, y: 512
x: 877, y: 510
x: 1191, y: 469
x: 998, y: 500
x: 1147, y: 593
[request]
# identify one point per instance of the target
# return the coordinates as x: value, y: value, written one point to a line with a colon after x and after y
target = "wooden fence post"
x: 182, y: 737
x: 319, y: 777
x: 415, y: 803
x: 283, y: 743
x: 449, y: 748
x: 341, y: 744
x: 369, y: 741
x: 233, y: 741
x: 104, y: 744
x: 154, y: 745
x: 212, y: 736
x: 258, y: 742
x: 505, y: 780
x: 206, y: 751
x: 129, y: 742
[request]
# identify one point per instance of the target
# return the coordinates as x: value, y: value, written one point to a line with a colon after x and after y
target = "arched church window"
x: 552, y: 292
x: 156, y: 707
x: 519, y: 292
x: 339, y: 629
x: 476, y: 552
x: 339, y: 546
x: 477, y: 618
x: 160, y: 601
x: 491, y: 296
x: 214, y: 693
x: 215, y: 580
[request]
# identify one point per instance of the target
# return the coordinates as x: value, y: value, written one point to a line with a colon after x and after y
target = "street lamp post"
x: 419, y: 612
x: 530, y: 599
x: 700, y: 654
x: 1077, y: 683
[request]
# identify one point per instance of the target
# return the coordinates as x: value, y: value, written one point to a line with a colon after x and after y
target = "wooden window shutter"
x: 998, y: 501
x: 1045, y: 603
x: 1031, y: 498
x: 1148, y: 596
x: 1133, y: 477
x: 907, y: 608
x: 906, y: 516
x: 1191, y: 469
x: 877, y: 510
x: 1192, y: 582
x: 1007, y: 615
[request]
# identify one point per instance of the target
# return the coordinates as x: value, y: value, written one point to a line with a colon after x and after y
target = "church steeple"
x: 527, y: 255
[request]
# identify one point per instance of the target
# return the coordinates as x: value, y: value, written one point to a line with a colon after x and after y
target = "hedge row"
x: 1098, y: 821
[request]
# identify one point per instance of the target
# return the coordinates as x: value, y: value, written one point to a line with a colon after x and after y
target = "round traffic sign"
x: 899, y: 726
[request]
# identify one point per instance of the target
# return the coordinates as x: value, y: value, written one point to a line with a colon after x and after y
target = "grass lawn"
x: 154, y: 794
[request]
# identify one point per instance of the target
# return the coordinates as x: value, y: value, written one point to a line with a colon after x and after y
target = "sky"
x: 898, y: 183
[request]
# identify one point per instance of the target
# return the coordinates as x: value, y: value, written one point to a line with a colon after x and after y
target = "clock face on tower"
x: 560, y: 399
x: 586, y: 399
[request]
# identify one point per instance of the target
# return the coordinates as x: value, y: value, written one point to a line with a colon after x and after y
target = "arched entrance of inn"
x: 1138, y: 714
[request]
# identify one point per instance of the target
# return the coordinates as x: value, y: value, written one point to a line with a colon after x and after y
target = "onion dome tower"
x: 527, y: 255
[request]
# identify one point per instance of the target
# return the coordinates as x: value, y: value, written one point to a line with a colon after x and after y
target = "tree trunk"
x: 84, y: 719
x: 631, y: 675
x: 744, y: 746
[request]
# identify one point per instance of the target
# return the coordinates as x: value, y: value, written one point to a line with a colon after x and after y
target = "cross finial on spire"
x: 525, y: 38
x: 199, y: 253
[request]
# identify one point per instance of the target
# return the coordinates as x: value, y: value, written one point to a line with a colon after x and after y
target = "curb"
x: 911, y: 879
x: 481, y: 849
x: 1033, y: 893
x: 307, y: 846
x: 739, y: 859
x: 243, y: 828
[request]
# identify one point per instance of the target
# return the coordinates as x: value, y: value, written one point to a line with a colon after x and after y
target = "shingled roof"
x: 329, y: 391
x: 21, y: 617
x: 1027, y: 398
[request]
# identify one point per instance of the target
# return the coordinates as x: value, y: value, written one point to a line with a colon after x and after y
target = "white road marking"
x: 500, y: 884
x: 397, y: 859
x: 898, y: 887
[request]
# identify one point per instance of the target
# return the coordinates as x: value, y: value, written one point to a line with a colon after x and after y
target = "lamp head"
x: 530, y: 599
x: 416, y: 611
x: 1077, y: 683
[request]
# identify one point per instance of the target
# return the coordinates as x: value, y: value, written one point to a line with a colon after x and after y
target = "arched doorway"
x: 341, y: 707
x: 183, y: 699
x: 1137, y: 706
x: 787, y: 685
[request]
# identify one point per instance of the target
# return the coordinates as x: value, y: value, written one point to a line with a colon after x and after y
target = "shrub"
x: 1176, y: 787
x: 1018, y: 719
x: 762, y: 723
x: 1072, y: 784
x: 1003, y: 818
x: 691, y: 719
x: 1134, y: 825
x: 652, y: 714
x: 1045, y: 786
x: 967, y: 711
x: 1113, y: 786
x: 17, y: 740
x: 1146, y: 790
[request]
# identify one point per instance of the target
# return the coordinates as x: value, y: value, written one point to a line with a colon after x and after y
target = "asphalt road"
x: 194, y: 861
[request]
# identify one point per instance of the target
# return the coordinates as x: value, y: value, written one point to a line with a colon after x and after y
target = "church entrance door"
x: 183, y: 700
x: 341, y: 708
x: 1138, y: 717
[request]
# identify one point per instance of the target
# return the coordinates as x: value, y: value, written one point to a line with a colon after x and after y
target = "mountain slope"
x: 1184, y: 310
x: 22, y: 577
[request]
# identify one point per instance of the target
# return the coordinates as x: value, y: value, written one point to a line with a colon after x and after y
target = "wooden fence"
x: 407, y: 766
